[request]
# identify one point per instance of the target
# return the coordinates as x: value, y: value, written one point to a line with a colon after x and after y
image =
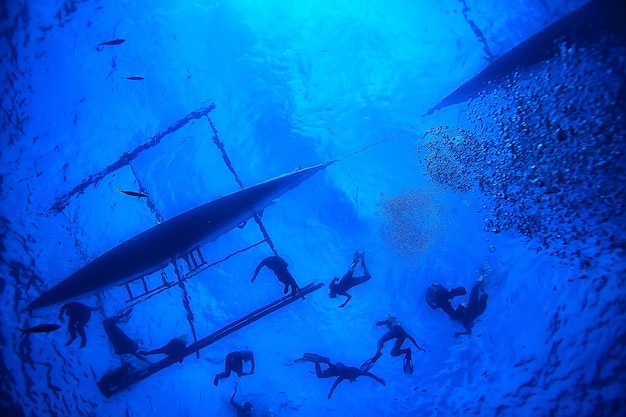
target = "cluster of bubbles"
x: 548, y: 150
x: 411, y: 221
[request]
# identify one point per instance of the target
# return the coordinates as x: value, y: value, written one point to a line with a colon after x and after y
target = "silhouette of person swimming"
x: 243, y: 410
x: 339, y: 370
x: 279, y: 267
x: 122, y: 344
x: 437, y: 296
x: 78, y: 316
x: 337, y: 287
x: 175, y: 348
x: 234, y: 363
x: 396, y: 331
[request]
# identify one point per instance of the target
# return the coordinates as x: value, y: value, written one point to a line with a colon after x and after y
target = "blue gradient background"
x: 293, y: 84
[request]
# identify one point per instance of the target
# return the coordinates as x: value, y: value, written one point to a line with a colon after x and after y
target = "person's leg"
x: 354, y: 281
x: 238, y: 368
x: 482, y: 304
x: 71, y: 328
x: 80, y: 329
x: 396, y: 350
x: 473, y: 300
x: 381, y: 342
x: 319, y: 372
x: 407, y: 365
x: 221, y: 375
x: 364, y: 278
x: 367, y: 365
x: 374, y: 377
x: 477, y: 304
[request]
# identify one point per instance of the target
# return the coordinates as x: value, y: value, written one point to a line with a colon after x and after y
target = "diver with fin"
x: 279, y: 267
x: 396, y: 331
x: 339, y: 370
x: 437, y: 296
x: 122, y: 344
x: 234, y: 363
x: 337, y: 287
x: 78, y: 315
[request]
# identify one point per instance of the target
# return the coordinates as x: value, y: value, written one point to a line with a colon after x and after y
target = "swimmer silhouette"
x: 234, y: 363
x: 339, y: 370
x: 122, y: 344
x: 78, y: 316
x: 396, y: 331
x: 348, y: 281
x: 279, y: 267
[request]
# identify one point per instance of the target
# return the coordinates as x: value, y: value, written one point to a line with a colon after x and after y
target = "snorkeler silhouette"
x: 244, y: 410
x: 175, y: 348
x: 122, y: 344
x: 78, y: 316
x: 439, y: 297
x: 278, y: 265
x: 339, y: 370
x: 396, y: 331
x: 337, y: 287
x: 234, y: 363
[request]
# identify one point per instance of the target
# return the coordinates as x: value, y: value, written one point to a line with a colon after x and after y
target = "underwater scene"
x: 313, y: 208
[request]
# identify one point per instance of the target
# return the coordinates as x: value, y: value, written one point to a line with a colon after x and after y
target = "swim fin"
x: 408, y: 363
x: 367, y: 365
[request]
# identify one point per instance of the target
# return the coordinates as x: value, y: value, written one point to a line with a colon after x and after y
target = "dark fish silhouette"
x: 112, y: 42
x: 41, y: 328
x: 135, y: 78
x: 132, y: 193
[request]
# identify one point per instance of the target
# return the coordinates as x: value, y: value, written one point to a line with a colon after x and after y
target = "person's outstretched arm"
x: 414, y: 342
x: 348, y: 297
x: 258, y: 268
x: 332, y: 389
x: 138, y: 356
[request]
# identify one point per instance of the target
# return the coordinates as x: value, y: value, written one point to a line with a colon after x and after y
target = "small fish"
x: 135, y: 78
x: 112, y: 42
x: 132, y: 193
x: 41, y: 328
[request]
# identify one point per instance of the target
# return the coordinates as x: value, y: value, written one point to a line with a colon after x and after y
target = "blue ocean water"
x: 522, y: 186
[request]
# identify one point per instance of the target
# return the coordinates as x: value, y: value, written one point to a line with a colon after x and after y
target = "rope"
x: 387, y: 138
